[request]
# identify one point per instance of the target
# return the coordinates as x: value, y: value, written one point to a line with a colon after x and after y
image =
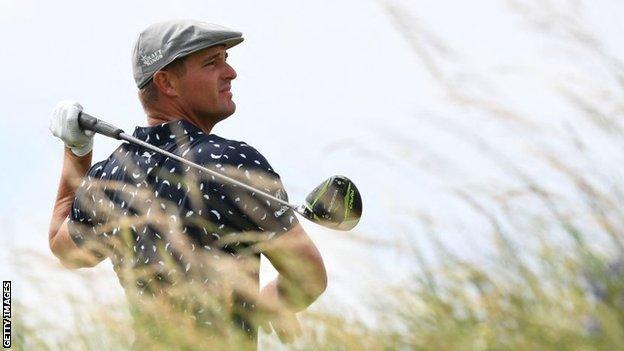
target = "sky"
x: 323, y: 88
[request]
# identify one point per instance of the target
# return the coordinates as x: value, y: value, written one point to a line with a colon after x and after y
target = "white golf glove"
x: 64, y: 125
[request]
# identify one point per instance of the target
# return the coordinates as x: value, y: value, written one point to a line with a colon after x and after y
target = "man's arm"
x: 61, y: 244
x: 302, y: 276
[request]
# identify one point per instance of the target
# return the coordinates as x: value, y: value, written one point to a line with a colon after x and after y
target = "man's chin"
x: 231, y: 108
x: 227, y: 112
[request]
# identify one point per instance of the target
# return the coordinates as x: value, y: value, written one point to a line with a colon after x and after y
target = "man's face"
x: 205, y: 87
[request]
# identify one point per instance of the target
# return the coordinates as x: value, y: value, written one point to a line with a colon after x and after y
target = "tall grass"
x: 566, y: 298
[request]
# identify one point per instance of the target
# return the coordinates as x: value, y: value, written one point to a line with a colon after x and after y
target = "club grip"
x: 86, y: 121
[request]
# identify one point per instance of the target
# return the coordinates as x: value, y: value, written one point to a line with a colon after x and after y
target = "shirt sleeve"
x: 88, y: 213
x: 246, y: 164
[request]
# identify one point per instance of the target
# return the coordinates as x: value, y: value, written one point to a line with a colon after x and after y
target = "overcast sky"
x: 324, y: 87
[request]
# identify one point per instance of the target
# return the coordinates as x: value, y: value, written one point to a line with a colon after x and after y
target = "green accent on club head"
x: 321, y: 192
x: 348, y: 204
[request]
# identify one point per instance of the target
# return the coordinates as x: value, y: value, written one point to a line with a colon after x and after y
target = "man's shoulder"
x: 218, y: 142
x: 228, y: 151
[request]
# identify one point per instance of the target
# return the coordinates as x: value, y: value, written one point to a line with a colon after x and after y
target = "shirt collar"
x: 167, y: 132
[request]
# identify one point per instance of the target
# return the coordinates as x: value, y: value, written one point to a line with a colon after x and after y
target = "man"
x: 164, y: 225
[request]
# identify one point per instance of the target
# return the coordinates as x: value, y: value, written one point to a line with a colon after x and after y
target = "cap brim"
x: 231, y: 42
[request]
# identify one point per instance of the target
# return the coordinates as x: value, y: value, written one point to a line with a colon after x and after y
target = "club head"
x: 336, y: 203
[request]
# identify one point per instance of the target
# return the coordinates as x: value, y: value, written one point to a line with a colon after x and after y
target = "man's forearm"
x: 74, y: 169
x: 302, y: 277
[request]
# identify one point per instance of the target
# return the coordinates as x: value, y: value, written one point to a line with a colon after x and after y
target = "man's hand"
x: 277, y: 315
x: 285, y: 324
x: 64, y: 125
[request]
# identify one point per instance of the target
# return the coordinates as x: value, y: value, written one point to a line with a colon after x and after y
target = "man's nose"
x: 230, y: 73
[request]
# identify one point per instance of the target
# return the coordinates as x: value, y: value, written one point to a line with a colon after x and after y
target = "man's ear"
x: 166, y: 82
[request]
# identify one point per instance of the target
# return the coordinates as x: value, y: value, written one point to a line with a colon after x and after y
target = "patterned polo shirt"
x: 144, y: 211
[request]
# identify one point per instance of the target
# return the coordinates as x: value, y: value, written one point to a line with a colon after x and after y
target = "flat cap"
x: 161, y: 43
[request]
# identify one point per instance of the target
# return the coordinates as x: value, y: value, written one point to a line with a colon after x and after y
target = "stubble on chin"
x: 224, y: 112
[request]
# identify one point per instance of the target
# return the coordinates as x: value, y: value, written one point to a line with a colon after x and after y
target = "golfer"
x: 143, y: 210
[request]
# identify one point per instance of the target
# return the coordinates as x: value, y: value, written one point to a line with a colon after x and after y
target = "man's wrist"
x: 78, y: 153
x: 82, y: 150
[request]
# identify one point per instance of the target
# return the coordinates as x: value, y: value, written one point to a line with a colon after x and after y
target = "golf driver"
x: 336, y: 203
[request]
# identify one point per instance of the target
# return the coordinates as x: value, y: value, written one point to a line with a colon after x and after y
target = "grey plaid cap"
x: 161, y: 43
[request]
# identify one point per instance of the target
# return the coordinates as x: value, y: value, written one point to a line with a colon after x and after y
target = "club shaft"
x: 132, y: 140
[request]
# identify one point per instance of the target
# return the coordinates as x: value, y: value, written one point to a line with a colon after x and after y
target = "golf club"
x: 336, y: 203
